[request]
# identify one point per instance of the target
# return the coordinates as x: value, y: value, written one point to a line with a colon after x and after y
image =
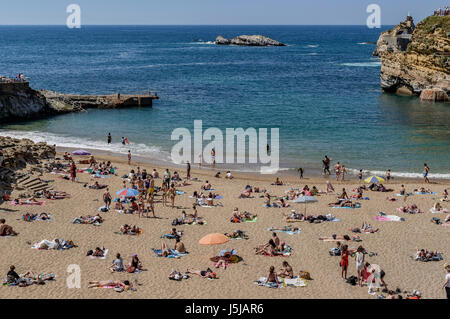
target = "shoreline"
x: 287, y: 175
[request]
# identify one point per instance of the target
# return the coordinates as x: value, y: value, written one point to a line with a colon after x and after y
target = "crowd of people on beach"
x: 442, y: 11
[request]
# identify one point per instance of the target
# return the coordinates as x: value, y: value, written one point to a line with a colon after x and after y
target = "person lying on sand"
x: 30, y: 200
x: 423, y: 190
x: 282, y: 203
x: 336, y: 237
x: 425, y: 255
x: 285, y: 228
x: 97, y: 186
x: 88, y: 219
x: 237, y: 234
x: 246, y: 193
x: 343, y: 203
x: 30, y: 217
x: 97, y: 252
x: 208, y: 273
x: 411, y: 209
x: 28, y: 278
x: 286, y: 271
x: 6, y: 230
x: 117, y: 264
x: 129, y: 230
x: 55, y: 244
x: 438, y: 208
x: 124, y: 284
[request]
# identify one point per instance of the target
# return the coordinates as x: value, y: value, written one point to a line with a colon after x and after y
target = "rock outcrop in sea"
x: 415, y: 59
x: 18, y: 101
x: 248, y: 40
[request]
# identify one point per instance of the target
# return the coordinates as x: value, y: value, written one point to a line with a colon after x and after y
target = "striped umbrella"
x: 128, y: 192
x: 374, y: 179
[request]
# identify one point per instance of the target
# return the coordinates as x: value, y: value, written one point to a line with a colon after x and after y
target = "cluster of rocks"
x: 17, y: 153
x: 415, y: 59
x: 248, y: 40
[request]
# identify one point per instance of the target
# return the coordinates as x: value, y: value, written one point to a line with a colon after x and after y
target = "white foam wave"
x: 138, y: 149
x: 399, y: 174
x: 363, y: 64
x: 312, y: 46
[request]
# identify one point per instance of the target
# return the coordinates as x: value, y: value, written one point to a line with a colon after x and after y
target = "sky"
x: 213, y: 12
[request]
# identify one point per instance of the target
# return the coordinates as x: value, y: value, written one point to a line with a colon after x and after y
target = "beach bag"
x: 304, y: 275
x: 104, y: 209
x: 131, y: 269
x: 352, y: 280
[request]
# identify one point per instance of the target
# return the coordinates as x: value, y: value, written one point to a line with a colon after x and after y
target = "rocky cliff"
x: 18, y: 101
x: 248, y: 40
x: 17, y: 153
x: 416, y: 59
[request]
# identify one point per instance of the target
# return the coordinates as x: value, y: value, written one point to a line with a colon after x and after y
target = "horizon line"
x: 64, y: 25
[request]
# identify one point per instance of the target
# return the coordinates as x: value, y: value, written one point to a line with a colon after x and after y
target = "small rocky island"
x: 415, y: 59
x: 249, y: 40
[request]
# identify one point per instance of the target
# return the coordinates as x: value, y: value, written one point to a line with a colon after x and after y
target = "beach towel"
x: 180, y: 192
x: 284, y: 282
x: 423, y: 193
x: 131, y: 234
x: 357, y: 205
x: 105, y: 253
x: 389, y: 218
x: 289, y: 232
x: 28, y: 203
x: 434, y: 211
x: 408, y: 194
x: 253, y: 220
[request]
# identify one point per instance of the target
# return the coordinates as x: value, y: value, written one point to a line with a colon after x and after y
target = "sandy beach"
x: 393, y: 244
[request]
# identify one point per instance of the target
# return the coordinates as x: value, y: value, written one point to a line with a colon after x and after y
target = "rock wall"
x: 17, y: 153
x: 416, y: 58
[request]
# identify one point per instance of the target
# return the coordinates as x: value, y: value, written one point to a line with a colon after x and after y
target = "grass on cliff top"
x: 428, y: 24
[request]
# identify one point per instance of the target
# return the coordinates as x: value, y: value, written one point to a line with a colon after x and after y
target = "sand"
x: 394, y: 243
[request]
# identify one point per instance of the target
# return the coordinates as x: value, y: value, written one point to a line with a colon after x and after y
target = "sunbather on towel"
x: 30, y: 217
x: 28, y: 278
x: 286, y: 271
x: 6, y: 230
x: 129, y: 230
x: 97, y: 252
x: 285, y: 228
x: 97, y: 186
x: 367, y: 228
x: 269, y: 249
x: 237, y: 234
x: 343, y: 203
x: 425, y: 255
x: 203, y: 273
x: 336, y: 237
x: 123, y: 284
x: 272, y: 277
x: 411, y: 209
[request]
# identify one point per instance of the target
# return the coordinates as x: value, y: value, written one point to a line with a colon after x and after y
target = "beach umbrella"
x: 305, y: 199
x: 214, y: 239
x: 374, y: 179
x: 128, y: 192
x: 81, y: 152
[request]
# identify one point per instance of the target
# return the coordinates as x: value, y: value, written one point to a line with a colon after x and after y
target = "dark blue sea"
x: 321, y: 90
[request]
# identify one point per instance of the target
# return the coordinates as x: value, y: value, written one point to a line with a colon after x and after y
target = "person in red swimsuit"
x: 344, y: 261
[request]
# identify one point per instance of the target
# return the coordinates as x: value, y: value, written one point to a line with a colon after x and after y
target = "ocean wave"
x: 362, y: 64
x: 312, y: 46
x: 138, y: 149
x: 398, y: 174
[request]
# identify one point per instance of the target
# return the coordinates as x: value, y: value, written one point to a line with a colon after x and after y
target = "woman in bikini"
x: 272, y: 277
x: 286, y: 271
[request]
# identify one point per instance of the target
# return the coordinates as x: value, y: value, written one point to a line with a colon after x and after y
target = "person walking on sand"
x: 337, y: 170
x: 129, y: 157
x: 107, y: 198
x: 426, y: 170
x: 188, y: 170
x: 300, y: 172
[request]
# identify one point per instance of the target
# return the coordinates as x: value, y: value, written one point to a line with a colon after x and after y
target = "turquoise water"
x: 321, y: 91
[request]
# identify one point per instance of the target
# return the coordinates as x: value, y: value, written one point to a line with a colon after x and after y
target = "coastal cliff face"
x: 19, y: 101
x: 416, y: 59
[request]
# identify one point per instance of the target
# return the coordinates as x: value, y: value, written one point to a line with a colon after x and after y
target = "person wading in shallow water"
x: 109, y: 138
x: 326, y: 166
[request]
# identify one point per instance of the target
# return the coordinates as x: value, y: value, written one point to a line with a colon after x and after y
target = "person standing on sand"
x: 73, y: 171
x: 360, y: 175
x: 447, y: 280
x: 326, y: 166
x: 388, y: 175
x: 129, y: 157
x: 109, y: 138
x: 344, y: 261
x: 359, y: 257
x: 188, y: 170
x: 213, y: 157
x: 337, y: 170
x: 426, y: 170
x: 343, y: 171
